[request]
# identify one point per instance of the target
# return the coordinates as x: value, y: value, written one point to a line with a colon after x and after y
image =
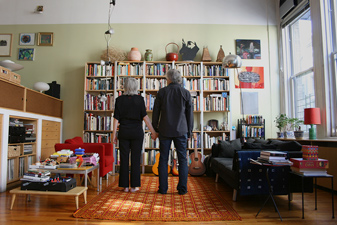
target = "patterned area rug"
x: 201, y: 203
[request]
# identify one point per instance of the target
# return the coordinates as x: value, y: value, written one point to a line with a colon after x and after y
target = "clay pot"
x: 172, y: 56
x: 134, y: 55
x: 148, y: 55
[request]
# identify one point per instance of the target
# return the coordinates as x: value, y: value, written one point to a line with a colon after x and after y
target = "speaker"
x: 54, y: 90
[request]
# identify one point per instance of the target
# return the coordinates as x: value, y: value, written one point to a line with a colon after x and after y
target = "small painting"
x: 250, y: 77
x: 27, y: 39
x: 248, y: 49
x: 6, y: 44
x: 26, y: 54
x: 45, y: 39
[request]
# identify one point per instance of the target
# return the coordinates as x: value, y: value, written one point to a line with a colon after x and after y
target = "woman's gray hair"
x: 174, y: 76
x: 130, y: 86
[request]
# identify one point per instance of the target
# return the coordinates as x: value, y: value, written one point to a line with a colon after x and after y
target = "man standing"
x: 173, y: 119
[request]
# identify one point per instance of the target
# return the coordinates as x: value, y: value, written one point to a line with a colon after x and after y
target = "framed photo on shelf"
x: 27, y: 39
x: 248, y: 49
x: 6, y: 45
x: 26, y: 54
x: 45, y: 39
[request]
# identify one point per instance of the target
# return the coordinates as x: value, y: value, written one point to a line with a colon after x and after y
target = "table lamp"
x: 312, y: 116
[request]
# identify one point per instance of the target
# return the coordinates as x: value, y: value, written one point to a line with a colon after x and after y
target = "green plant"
x: 295, y: 123
x: 281, y: 122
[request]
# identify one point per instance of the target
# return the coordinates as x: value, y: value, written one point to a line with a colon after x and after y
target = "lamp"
x: 41, y: 86
x: 11, y: 65
x: 312, y: 116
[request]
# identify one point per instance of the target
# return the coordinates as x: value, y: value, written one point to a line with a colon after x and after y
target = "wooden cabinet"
x: 50, y: 136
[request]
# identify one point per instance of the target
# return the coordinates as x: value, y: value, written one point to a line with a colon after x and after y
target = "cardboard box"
x: 4, y: 73
x: 14, y: 77
x: 49, y: 186
x: 315, y: 164
x: 310, y: 152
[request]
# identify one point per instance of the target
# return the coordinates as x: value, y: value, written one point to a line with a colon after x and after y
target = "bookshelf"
x: 208, y: 83
x: 251, y: 127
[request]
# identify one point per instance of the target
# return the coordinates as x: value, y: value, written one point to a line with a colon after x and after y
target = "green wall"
x: 76, y: 44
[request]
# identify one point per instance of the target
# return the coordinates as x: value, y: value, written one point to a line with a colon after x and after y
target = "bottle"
x: 148, y: 55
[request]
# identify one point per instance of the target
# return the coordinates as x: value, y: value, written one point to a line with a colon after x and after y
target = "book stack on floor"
x: 310, y: 167
x: 274, y: 158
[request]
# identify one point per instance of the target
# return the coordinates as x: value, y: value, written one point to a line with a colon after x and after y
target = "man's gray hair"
x: 130, y: 86
x: 174, y: 76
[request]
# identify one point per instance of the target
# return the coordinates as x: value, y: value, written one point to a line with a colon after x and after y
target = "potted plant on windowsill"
x: 295, y: 125
x: 281, y: 123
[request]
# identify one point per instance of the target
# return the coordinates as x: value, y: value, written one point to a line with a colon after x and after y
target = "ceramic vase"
x: 134, y: 55
x: 148, y: 55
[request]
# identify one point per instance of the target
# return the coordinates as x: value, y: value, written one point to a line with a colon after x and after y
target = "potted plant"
x: 295, y: 125
x: 281, y: 123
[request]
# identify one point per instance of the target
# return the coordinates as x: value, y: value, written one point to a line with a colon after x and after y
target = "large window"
x: 299, y: 65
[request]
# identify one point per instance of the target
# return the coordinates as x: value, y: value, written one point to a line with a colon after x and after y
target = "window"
x: 299, y: 63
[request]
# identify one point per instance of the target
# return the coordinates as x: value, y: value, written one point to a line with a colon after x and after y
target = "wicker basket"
x: 14, y: 151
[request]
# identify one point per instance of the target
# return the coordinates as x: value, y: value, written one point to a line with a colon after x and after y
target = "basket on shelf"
x: 14, y: 151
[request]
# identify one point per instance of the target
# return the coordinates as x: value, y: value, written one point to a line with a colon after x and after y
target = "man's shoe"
x: 134, y: 189
x: 163, y: 193
x: 182, y: 192
x: 126, y: 189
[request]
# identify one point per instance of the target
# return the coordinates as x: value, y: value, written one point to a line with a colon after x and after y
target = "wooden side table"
x: 315, y: 178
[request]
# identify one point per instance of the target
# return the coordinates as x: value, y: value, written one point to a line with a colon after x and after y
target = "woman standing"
x: 130, y: 111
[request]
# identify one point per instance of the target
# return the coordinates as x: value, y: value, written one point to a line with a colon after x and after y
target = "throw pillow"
x: 228, y: 148
x: 75, y: 140
x: 290, y: 146
x: 252, y: 145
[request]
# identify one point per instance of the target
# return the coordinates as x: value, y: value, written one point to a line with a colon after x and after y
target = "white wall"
x: 243, y: 12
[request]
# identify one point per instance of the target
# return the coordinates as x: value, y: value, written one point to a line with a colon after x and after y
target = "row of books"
x: 99, y: 70
x: 130, y: 69
x: 216, y: 102
x: 155, y: 84
x: 93, y: 102
x: 252, y: 119
x: 27, y: 149
x: 158, y: 69
x: 99, y: 84
x: 149, y: 142
x: 252, y: 131
x: 97, y: 122
x: 210, y: 140
x: 195, y: 101
x: 189, y: 69
x: 215, y: 84
x: 149, y: 101
x: 215, y: 70
x: 93, y: 137
x: 191, y: 84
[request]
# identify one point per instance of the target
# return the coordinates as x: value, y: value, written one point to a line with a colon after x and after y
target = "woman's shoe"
x: 134, y: 189
x: 126, y: 189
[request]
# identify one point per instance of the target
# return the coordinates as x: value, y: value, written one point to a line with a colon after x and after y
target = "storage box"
x: 4, y: 73
x: 14, y: 151
x: 14, y: 77
x: 310, y: 152
x: 49, y: 186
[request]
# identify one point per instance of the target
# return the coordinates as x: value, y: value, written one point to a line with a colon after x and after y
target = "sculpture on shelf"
x: 115, y: 54
x: 221, y: 55
x: 189, y: 50
x: 205, y: 55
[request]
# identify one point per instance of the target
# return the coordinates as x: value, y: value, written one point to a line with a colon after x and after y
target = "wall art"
x: 26, y: 54
x: 27, y: 39
x: 248, y: 49
x: 45, y: 39
x: 6, y: 44
x: 250, y: 77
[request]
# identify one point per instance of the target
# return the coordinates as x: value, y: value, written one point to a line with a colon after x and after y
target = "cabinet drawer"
x: 47, y: 123
x: 51, y: 129
x: 51, y: 135
x: 48, y: 143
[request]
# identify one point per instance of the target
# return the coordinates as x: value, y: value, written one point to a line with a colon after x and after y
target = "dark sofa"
x: 230, y: 161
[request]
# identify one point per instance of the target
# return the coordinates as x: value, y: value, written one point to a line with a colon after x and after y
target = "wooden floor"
x: 50, y: 210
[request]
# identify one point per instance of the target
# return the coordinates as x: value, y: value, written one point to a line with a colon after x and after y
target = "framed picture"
x: 27, y: 39
x: 6, y: 44
x: 248, y: 49
x: 45, y: 39
x: 26, y: 54
x: 250, y: 77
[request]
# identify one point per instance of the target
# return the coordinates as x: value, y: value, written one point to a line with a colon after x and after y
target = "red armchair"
x: 105, y: 151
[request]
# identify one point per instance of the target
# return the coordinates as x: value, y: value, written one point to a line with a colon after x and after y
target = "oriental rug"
x: 203, y: 202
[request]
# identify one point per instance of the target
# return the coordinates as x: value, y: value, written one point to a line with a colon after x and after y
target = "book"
x: 312, y: 173
x: 302, y: 163
x: 301, y: 170
x: 270, y: 158
x: 273, y: 153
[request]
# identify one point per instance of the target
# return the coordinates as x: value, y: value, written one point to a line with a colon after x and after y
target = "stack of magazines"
x: 273, y: 158
x: 36, y: 176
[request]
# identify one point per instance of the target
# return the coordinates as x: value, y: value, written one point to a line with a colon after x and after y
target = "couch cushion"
x: 75, y: 140
x: 290, y: 146
x: 262, y: 141
x: 252, y: 145
x: 227, y: 148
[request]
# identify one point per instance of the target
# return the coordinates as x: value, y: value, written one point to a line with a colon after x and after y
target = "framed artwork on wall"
x: 26, y: 54
x: 6, y: 45
x: 45, y: 39
x: 250, y: 77
x: 27, y: 39
x: 248, y: 49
